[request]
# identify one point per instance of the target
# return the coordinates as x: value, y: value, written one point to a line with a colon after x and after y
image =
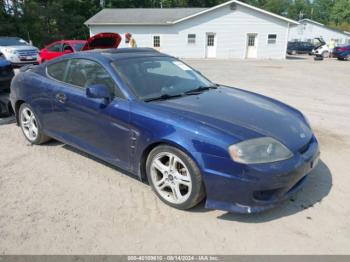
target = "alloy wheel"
x: 29, y: 124
x: 171, y: 178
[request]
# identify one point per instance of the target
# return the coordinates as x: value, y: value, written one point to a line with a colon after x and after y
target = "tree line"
x: 43, y: 21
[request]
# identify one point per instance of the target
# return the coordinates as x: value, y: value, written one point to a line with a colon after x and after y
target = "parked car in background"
x: 299, y: 48
x: 60, y: 48
x: 6, y: 75
x: 159, y: 119
x: 18, y: 51
x: 342, y: 52
x: 321, y: 49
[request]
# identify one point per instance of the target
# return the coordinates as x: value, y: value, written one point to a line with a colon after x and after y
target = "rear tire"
x: 30, y: 125
x: 174, y: 177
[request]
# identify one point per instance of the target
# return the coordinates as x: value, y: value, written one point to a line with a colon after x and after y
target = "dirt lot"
x: 56, y: 200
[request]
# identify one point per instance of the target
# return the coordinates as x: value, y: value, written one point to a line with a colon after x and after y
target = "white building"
x: 308, y: 30
x: 230, y: 30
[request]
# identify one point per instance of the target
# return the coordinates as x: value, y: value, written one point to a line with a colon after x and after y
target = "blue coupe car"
x: 342, y: 52
x: 161, y: 120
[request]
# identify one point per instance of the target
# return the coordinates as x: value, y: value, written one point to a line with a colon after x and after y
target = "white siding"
x: 308, y: 30
x: 231, y: 29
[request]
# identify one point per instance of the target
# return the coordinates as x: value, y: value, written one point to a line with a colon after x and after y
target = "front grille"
x: 27, y: 52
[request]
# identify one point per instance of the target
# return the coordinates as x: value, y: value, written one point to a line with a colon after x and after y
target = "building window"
x: 156, y: 41
x: 251, y: 40
x: 272, y: 39
x: 211, y: 40
x: 191, y: 39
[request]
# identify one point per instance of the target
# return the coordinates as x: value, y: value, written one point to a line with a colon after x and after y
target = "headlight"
x: 9, y: 50
x: 259, y: 150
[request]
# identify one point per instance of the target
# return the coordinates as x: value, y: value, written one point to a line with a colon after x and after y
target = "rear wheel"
x: 174, y: 177
x: 30, y: 125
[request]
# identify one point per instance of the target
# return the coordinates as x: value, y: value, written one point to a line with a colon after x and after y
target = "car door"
x: 90, y: 124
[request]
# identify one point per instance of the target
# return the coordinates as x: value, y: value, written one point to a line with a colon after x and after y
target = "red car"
x: 99, y: 41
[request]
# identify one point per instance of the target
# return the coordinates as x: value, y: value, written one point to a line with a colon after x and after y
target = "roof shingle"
x: 141, y: 15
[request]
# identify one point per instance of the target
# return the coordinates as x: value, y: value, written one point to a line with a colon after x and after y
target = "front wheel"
x: 174, y: 177
x: 325, y: 54
x: 30, y: 125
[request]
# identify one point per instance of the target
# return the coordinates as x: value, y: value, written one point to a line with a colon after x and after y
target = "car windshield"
x: 153, y: 78
x: 79, y: 46
x: 12, y: 41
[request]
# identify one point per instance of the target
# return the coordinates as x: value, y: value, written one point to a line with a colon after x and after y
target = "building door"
x: 252, y: 46
x: 211, y: 45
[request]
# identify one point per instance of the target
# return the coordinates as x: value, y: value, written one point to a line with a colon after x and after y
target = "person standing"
x: 131, y: 40
x: 332, y: 44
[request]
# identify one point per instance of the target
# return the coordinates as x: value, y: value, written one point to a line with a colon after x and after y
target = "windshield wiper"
x: 162, y: 97
x: 200, y: 89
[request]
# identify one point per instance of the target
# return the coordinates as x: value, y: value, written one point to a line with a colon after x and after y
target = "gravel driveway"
x: 57, y: 200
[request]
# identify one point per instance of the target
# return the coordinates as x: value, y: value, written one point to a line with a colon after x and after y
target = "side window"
x: 57, y: 70
x: 55, y: 48
x: 272, y: 39
x: 67, y: 47
x: 85, y: 73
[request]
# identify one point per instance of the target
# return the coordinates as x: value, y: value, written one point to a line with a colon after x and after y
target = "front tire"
x: 325, y: 54
x: 30, y: 125
x: 175, y: 177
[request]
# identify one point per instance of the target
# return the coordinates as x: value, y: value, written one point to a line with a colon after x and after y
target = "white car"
x: 18, y: 51
x: 321, y: 49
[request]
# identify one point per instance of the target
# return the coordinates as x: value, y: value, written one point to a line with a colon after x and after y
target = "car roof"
x: 74, y: 41
x: 121, y: 53
x: 110, y: 55
x: 11, y: 37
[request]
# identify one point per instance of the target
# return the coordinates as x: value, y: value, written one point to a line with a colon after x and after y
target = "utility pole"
x: 161, y: 3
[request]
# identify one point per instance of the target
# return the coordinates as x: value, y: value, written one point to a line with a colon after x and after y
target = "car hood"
x: 20, y: 47
x: 243, y: 115
x: 4, y: 63
x: 102, y: 41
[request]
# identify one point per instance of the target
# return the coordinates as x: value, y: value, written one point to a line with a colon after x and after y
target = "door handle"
x: 61, y: 98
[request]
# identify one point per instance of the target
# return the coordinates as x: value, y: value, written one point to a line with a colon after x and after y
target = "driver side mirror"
x: 99, y: 91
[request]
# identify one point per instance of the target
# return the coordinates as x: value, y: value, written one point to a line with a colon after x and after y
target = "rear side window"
x: 84, y: 73
x: 57, y: 70
x: 55, y: 48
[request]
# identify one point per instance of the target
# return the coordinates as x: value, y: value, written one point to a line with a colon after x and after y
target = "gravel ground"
x: 57, y: 200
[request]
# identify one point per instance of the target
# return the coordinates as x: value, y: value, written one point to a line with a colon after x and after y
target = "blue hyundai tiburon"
x: 156, y: 117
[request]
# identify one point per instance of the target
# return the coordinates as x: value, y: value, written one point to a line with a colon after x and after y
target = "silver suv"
x: 18, y: 51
